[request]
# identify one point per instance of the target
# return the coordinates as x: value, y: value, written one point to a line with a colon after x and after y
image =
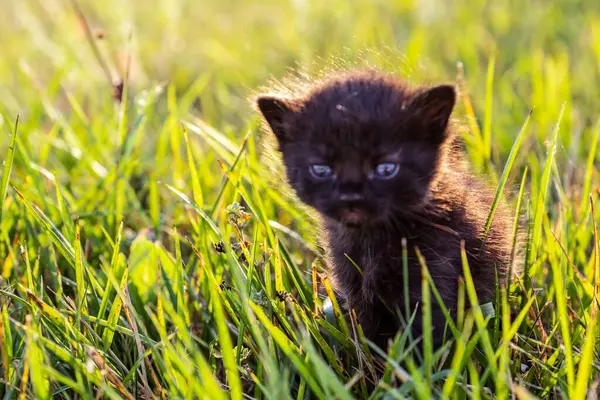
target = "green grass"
x: 129, y: 268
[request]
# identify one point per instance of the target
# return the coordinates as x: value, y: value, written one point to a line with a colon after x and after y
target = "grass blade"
x: 291, y: 351
x: 35, y: 361
x: 478, y: 315
x: 505, y: 173
x: 113, y: 316
x: 8, y: 163
x: 585, y: 366
x: 487, y: 120
x: 233, y: 377
x: 540, y: 205
x: 79, y: 277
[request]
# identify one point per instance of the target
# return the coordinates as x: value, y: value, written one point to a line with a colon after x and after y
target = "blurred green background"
x: 544, y: 49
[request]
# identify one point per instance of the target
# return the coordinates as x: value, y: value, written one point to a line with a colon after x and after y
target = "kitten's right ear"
x: 274, y: 110
x: 434, y: 107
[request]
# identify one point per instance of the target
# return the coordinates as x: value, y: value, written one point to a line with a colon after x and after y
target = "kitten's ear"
x: 434, y: 107
x: 274, y: 110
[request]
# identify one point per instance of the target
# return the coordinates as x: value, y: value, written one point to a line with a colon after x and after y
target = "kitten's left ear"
x: 434, y: 107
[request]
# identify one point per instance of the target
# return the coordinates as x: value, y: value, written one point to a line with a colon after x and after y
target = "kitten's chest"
x: 367, y: 264
x: 373, y: 253
x: 374, y: 265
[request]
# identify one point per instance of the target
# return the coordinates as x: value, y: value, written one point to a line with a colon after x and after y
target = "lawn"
x: 148, y: 247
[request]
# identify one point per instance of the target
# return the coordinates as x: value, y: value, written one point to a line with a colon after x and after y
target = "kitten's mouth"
x: 353, y: 217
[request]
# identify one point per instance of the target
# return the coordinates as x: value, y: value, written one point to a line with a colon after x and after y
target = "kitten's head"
x: 361, y: 147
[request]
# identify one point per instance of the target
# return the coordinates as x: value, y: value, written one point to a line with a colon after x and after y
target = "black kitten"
x: 380, y: 163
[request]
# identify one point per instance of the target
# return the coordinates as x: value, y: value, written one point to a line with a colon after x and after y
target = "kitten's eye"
x: 321, y: 171
x: 386, y: 170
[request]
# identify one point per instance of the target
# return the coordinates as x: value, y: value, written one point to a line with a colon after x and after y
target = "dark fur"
x: 352, y: 121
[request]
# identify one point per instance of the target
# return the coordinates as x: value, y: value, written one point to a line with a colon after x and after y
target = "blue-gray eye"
x: 386, y: 170
x: 321, y: 171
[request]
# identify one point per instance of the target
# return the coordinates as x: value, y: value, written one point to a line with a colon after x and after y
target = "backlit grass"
x: 149, y: 249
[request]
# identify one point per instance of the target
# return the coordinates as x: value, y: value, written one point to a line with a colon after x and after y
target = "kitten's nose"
x: 351, y: 197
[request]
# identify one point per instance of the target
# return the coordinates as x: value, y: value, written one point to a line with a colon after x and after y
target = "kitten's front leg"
x: 369, y: 287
